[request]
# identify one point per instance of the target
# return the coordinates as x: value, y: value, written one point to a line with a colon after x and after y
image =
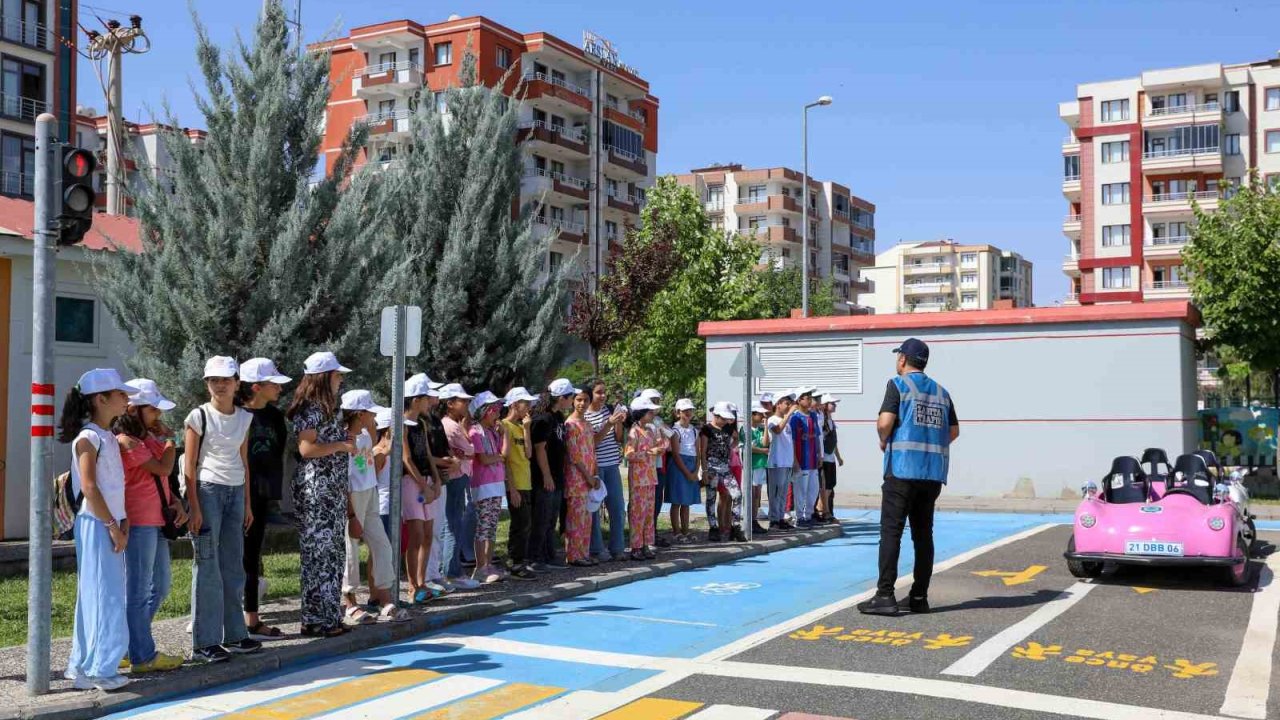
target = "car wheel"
x: 1238, y: 575
x: 1250, y: 536
x: 1082, y: 568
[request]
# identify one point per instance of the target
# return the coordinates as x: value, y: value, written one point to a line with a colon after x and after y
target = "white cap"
x: 453, y: 391
x: 829, y: 398
x: 419, y: 385
x: 561, y: 387
x: 651, y: 393
x: 805, y: 390
x: 148, y: 394
x: 384, y: 415
x: 518, y: 394
x: 259, y: 370
x: 785, y: 395
x: 766, y: 397
x: 358, y: 400
x: 432, y: 383
x: 101, y: 380
x: 643, y: 403
x: 595, y: 497
x: 732, y: 406
x: 323, y: 362
x: 758, y: 408
x: 483, y: 400
x: 723, y: 410
x: 221, y: 366
x: 684, y: 404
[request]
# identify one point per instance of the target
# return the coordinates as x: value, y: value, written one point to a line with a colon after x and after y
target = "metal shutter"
x: 833, y: 366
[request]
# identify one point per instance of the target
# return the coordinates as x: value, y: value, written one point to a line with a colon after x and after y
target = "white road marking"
x: 1250, y: 683
x: 590, y: 703
x: 414, y: 699
x: 979, y: 658
x: 732, y: 712
x: 556, y: 652
x: 643, y: 618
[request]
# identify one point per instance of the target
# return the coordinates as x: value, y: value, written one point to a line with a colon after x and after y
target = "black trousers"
x: 260, y: 506
x: 542, y: 538
x: 521, y: 526
x: 902, y: 501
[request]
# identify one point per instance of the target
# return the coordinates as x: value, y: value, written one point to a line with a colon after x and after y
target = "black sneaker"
x: 786, y: 525
x: 244, y: 647
x: 662, y: 542
x: 758, y: 529
x: 211, y: 654
x: 522, y: 573
x: 879, y: 605
x: 558, y: 564
x: 737, y: 535
x: 649, y: 554
x: 916, y: 605
x: 713, y: 535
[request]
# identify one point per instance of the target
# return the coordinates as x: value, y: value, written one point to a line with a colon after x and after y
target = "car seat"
x: 1156, y: 464
x: 1191, y: 477
x: 1211, y: 461
x: 1126, y: 482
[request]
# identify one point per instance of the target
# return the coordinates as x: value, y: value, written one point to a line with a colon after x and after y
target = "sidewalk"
x: 1048, y: 506
x: 65, y: 703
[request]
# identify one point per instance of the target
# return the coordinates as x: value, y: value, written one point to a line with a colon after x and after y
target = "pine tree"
x: 242, y: 258
x: 492, y: 315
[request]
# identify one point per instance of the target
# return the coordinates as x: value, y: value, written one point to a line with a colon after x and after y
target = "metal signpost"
x: 747, y: 366
x: 400, y: 338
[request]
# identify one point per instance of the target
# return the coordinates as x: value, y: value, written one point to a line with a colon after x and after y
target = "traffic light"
x: 78, y: 195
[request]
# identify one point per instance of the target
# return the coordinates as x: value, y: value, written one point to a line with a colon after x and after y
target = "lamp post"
x: 804, y: 229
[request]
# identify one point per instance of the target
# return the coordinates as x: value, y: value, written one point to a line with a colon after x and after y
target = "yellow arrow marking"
x: 1013, y: 578
x: 1143, y: 590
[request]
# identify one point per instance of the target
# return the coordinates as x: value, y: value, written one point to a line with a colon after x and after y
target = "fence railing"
x: 1183, y: 196
x: 396, y: 66
x: 20, y: 31
x: 1181, y: 152
x: 558, y: 82
x: 1211, y: 107
x: 558, y: 177
x: 21, y: 107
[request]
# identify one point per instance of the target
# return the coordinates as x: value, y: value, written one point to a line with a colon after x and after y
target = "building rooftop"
x: 109, y: 232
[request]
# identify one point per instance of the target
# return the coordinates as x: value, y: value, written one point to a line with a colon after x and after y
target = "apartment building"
x: 943, y: 275
x: 37, y: 75
x: 767, y: 203
x: 589, y: 122
x: 1140, y: 152
x: 144, y: 152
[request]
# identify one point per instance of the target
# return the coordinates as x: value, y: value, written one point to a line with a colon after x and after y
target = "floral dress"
x: 580, y: 443
x: 320, y: 504
x: 642, y: 478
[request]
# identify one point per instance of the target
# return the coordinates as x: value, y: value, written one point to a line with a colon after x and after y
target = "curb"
x: 98, y: 703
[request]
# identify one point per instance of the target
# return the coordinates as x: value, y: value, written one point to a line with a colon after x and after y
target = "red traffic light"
x: 79, y: 164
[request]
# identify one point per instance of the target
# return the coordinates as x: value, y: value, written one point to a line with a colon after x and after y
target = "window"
x: 1115, y: 278
x: 387, y: 58
x: 1071, y: 167
x: 1211, y: 99
x: 1114, y: 152
x: 23, y: 86
x: 624, y: 139
x: 611, y: 100
x: 969, y: 299
x: 1273, y: 141
x: 1177, y: 100
x: 1115, y: 110
x: 610, y: 229
x: 444, y: 53
x: 756, y: 193
x: 1233, y: 101
x: 969, y: 280
x: 1178, y: 230
x: 554, y: 260
x: 1115, y: 235
x: 74, y: 320
x: 503, y: 57
x: 1231, y: 144
x: 415, y: 57
x: 1273, y: 98
x: 17, y: 165
x: 23, y: 22
x: 968, y: 259
x: 557, y: 213
x: 1115, y: 194
x: 386, y: 107
x: 755, y: 222
x: 715, y: 196
x: 610, y: 187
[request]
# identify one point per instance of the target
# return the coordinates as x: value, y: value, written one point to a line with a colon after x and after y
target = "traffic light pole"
x: 40, y: 546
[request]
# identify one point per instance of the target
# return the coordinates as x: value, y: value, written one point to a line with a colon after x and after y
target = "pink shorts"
x: 411, y: 505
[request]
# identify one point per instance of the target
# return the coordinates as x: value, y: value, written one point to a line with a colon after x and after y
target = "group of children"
x: 555, y: 458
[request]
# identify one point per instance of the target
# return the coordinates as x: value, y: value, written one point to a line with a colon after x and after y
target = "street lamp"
x: 804, y: 229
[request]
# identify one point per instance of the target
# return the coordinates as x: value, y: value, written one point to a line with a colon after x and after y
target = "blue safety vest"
x: 919, y: 448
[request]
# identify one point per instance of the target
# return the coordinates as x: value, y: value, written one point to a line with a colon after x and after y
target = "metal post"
x: 40, y: 545
x: 746, y: 488
x: 397, y: 442
x: 115, y: 132
x: 804, y: 230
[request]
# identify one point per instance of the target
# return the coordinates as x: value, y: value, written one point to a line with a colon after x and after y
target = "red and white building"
x: 589, y: 121
x: 144, y: 152
x: 1140, y: 152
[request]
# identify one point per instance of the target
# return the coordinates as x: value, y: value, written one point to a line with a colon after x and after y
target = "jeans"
x: 101, y: 634
x: 546, y: 510
x: 217, y: 575
x: 806, y: 493
x: 660, y: 490
x: 147, y: 585
x: 467, y: 550
x: 518, y: 532
x: 253, y: 539
x: 903, y: 500
x: 611, y: 476
x: 455, y: 537
x: 779, y: 479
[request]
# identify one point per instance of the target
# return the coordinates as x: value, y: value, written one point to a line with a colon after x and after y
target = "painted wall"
x: 1047, y: 400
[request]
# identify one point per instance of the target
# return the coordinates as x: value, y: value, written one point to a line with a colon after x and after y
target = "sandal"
x: 356, y: 615
x: 393, y: 613
x: 321, y: 631
x: 263, y: 631
x: 422, y: 596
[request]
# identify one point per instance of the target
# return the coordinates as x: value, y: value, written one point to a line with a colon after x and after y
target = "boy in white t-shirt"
x: 781, y: 460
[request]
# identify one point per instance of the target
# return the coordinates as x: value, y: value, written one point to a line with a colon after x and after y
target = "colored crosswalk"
x: 662, y: 709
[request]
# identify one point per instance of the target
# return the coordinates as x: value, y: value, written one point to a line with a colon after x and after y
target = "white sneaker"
x: 188, y: 628
x: 464, y: 583
x: 106, y: 684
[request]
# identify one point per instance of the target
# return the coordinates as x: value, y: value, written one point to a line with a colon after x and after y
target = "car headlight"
x: 1217, y: 523
x: 1088, y: 521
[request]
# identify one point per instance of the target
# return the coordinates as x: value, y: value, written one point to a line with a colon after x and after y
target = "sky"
x: 945, y: 113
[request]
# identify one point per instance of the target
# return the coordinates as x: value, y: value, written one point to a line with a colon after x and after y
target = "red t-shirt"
x: 141, y: 502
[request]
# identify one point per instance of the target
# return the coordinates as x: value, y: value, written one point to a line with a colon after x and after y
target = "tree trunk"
x: 1275, y: 388
x: 1248, y: 389
x: 595, y: 361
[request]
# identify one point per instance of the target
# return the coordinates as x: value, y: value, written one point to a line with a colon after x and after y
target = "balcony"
x: 927, y: 268
x: 22, y: 108
x: 926, y: 288
x: 633, y: 164
x: 1071, y: 186
x: 772, y: 233
x: 714, y: 207
x: 769, y: 203
x: 388, y: 125
x: 1182, y: 114
x: 1165, y: 246
x: 12, y: 183
x: 1168, y: 288
x: 862, y: 285
x: 34, y: 35
x: 615, y: 114
x: 556, y: 140
x: 568, y: 188
x: 387, y: 79
x: 1176, y: 160
x: 1180, y: 202
x: 557, y: 92
x: 1071, y: 226
x: 1070, y: 144
x: 1071, y: 264
x: 568, y: 230
x: 625, y: 203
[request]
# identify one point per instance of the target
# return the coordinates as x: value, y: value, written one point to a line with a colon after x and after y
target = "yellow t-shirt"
x: 517, y: 462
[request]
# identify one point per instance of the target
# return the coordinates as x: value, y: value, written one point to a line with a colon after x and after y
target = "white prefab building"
x: 1046, y: 397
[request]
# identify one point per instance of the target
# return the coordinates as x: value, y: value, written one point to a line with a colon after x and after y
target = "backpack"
x: 66, y: 504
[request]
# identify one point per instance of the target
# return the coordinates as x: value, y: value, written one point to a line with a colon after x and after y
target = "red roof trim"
x: 108, y: 231
x: 1172, y: 310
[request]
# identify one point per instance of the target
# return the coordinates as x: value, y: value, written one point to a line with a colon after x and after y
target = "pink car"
x: 1179, y: 516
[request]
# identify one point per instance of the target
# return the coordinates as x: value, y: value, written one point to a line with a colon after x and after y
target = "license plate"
x: 1144, y: 547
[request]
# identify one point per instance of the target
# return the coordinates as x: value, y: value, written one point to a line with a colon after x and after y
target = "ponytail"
x: 77, y: 408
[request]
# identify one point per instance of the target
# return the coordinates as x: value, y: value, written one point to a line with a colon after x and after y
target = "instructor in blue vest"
x: 917, y: 425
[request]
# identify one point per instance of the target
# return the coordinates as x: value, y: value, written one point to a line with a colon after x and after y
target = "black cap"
x: 913, y: 348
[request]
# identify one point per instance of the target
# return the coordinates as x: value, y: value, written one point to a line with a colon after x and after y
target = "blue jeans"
x: 469, y: 519
x: 611, y: 476
x: 217, y: 576
x: 455, y: 537
x: 101, y: 635
x: 148, y: 581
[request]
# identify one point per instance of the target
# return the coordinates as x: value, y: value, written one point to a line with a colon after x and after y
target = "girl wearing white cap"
x: 580, y: 478
x: 715, y: 446
x: 682, y: 480
x: 148, y: 453
x: 643, y: 449
x: 215, y: 463
x: 488, y: 482
x: 101, y: 632
x: 420, y: 486
x: 320, y: 493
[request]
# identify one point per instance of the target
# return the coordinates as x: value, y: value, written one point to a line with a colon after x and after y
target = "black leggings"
x: 253, y: 550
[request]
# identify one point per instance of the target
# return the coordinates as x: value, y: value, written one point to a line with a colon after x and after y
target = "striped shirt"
x: 607, y: 451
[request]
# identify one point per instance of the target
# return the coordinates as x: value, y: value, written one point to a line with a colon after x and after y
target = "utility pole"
x: 112, y: 45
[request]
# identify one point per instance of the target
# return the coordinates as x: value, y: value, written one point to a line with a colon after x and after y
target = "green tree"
x: 240, y: 257
x: 1233, y: 261
x: 780, y: 293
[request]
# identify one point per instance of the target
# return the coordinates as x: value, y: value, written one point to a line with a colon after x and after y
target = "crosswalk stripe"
x: 492, y: 704
x: 732, y: 712
x: 337, y: 696
x: 652, y: 709
x: 415, y: 699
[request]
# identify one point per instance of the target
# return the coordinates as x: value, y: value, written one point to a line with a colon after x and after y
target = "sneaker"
x: 558, y: 564
x: 244, y: 647
x: 160, y: 663
x: 211, y: 654
x: 604, y: 557
x: 737, y: 535
x: 758, y: 529
x: 662, y: 542
x: 488, y: 578
x: 783, y: 524
x: 464, y: 583
x: 538, y: 568
x: 124, y: 666
x: 713, y: 535
x: 916, y: 605
x: 105, y: 684
x: 522, y: 573
x: 649, y: 554
x: 879, y: 605
x: 637, y: 555
x: 440, y: 587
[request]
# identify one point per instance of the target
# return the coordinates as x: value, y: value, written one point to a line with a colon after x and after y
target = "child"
x: 217, y: 444
x: 643, y: 449
x: 715, y: 446
x: 580, y: 478
x: 830, y: 459
x: 781, y: 460
x: 759, y: 465
x: 382, y: 466
x: 363, y: 522
x: 147, y: 450
x: 488, y: 482
x: 420, y: 487
x: 458, y: 485
x: 101, y: 632
x: 260, y: 387
x: 682, y: 486
x: 517, y: 449
x: 804, y: 432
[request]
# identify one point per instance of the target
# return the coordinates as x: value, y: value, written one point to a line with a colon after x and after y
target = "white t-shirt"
x: 384, y: 489
x: 220, y: 462
x: 688, y: 438
x: 365, y: 479
x: 110, y: 469
x: 782, y: 450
